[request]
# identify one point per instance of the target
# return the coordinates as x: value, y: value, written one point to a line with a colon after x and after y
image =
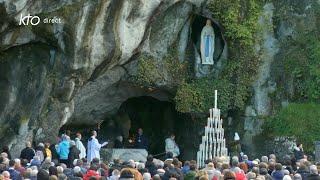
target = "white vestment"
x: 171, y: 146
x: 207, y: 45
x: 81, y: 148
x: 93, y: 149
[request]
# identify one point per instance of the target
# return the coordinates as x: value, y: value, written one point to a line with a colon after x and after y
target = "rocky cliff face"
x: 76, y: 71
x: 79, y: 71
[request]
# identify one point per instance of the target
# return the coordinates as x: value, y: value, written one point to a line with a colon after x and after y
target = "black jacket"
x: 27, y: 153
x: 73, y: 154
x: 313, y: 177
x: 141, y: 142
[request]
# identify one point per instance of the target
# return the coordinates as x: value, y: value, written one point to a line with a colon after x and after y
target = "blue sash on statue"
x: 207, y: 45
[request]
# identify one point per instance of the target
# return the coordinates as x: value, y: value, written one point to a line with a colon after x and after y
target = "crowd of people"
x: 70, y: 160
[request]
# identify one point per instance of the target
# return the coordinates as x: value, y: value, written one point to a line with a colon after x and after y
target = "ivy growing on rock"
x: 240, y: 21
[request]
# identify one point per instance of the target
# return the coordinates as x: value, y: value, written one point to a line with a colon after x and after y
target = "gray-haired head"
x: 297, y: 177
x: 265, y: 159
x: 313, y: 169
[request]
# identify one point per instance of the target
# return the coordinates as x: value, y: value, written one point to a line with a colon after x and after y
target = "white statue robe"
x: 171, y: 146
x: 93, y: 149
x: 207, y: 45
x: 81, y: 148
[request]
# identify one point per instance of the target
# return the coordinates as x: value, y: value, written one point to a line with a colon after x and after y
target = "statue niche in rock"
x: 207, y: 44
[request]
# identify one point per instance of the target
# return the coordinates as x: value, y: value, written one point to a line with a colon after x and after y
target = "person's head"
x: 79, y: 136
x: 235, y: 162
x: 28, y: 144
x: 149, y: 158
x: 193, y: 167
x: 12, y: 163
x: 72, y: 143
x: 146, y: 176
x: 94, y: 133
x: 116, y: 172
x: 313, y: 169
x: 53, y: 177
x: 172, y: 136
x: 53, y: 170
x: 227, y: 174
x: 265, y: 159
x: 126, y: 175
x: 68, y: 133
x: 299, y: 145
x: 263, y: 171
x: 297, y: 176
x: 59, y: 170
x: 94, y: 167
x: 244, y: 167
x: 208, y: 22
x: 120, y: 138
x: 79, y: 162
x: 186, y: 163
x: 169, y: 155
x: 47, y: 145
x: 17, y: 163
x: 4, y: 155
x: 251, y: 175
x: 210, y: 165
x: 278, y: 167
x: 272, y: 156
x: 6, y: 174
x: 140, y: 131
x: 41, y: 145
x: 42, y: 174
x: 76, y: 169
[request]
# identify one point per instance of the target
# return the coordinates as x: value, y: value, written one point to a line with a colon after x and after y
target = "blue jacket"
x: 15, y: 175
x: 63, y: 149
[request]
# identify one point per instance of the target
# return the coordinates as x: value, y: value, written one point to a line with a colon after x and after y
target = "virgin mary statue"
x: 207, y: 43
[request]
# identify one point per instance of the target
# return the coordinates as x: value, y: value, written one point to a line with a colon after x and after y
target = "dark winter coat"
x: 73, y: 154
x: 27, y: 153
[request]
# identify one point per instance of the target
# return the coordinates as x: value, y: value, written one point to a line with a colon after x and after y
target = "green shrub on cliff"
x: 301, y: 63
x: 298, y: 120
x: 198, y: 96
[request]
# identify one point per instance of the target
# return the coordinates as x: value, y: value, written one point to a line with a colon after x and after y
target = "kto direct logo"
x: 35, y: 20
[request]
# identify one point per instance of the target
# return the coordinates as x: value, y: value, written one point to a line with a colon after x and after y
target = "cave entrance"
x: 157, y: 119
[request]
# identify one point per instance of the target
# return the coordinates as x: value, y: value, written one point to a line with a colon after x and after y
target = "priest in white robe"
x: 171, y: 146
x: 80, y: 146
x: 207, y: 44
x: 94, y: 147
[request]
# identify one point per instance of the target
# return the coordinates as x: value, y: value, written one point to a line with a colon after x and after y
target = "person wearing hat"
x: 73, y: 154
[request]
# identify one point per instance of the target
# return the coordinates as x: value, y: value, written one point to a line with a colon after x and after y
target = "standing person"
x: 40, y: 151
x: 47, y: 150
x: 80, y: 146
x: 141, y: 140
x: 73, y: 154
x: 94, y: 147
x: 118, y: 143
x: 27, y: 153
x: 63, y: 149
x: 298, y: 152
x: 171, y: 146
x: 5, y: 149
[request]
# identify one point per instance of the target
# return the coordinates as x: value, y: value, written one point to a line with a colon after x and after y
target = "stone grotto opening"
x: 157, y: 119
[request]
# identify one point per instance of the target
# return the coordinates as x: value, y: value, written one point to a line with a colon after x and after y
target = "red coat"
x: 91, y: 173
